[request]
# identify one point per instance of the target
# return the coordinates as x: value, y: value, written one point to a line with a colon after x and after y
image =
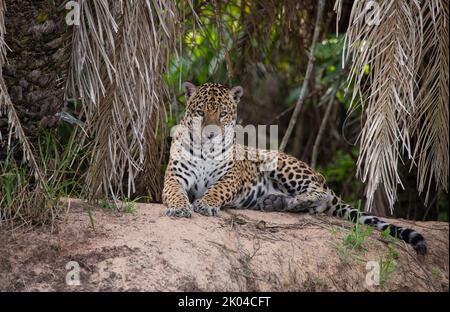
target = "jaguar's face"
x: 212, y: 107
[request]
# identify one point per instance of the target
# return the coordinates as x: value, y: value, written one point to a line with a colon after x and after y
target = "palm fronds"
x: 431, y: 118
x: 402, y: 101
x: 92, y: 43
x: 2, y: 33
x: 120, y: 53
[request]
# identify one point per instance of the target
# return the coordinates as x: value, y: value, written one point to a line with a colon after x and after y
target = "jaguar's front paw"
x: 205, y: 209
x: 179, y: 212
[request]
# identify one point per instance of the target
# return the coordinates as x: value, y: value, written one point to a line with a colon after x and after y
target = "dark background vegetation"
x: 261, y: 45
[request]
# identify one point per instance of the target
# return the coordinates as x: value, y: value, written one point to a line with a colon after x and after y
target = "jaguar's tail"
x: 344, y: 211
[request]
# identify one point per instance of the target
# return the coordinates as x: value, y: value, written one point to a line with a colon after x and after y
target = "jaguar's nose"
x: 211, y: 131
x: 211, y: 135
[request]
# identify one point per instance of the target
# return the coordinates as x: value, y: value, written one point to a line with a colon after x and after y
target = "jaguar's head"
x: 213, y: 107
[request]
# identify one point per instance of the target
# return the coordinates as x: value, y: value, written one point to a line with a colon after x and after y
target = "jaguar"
x: 208, y: 170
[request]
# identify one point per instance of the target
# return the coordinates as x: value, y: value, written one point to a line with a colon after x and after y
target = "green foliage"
x: 26, y: 197
x: 343, y: 247
x: 204, y: 58
x: 127, y: 206
x: 342, y: 166
x: 328, y: 56
x: 386, y: 233
x: 130, y: 205
x: 42, y: 18
x: 388, y: 265
x: 442, y: 206
x: 341, y: 172
x: 354, y: 241
x: 107, y: 205
x: 436, y: 272
x: 358, y: 235
x: 13, y: 179
x: 62, y: 164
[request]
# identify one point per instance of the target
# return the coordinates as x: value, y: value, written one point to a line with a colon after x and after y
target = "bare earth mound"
x: 240, y: 251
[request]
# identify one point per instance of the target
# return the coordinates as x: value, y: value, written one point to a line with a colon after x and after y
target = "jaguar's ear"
x: 189, y: 89
x: 236, y: 93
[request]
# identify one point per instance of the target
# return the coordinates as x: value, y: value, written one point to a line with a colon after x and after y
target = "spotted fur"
x: 206, y: 184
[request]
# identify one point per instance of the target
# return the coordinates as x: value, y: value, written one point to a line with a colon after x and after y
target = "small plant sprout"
x: 358, y: 235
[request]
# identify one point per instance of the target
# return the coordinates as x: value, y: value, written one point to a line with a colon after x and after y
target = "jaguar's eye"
x: 200, y: 113
x: 223, y: 114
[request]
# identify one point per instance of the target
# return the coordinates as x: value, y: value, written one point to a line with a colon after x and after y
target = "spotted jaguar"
x: 208, y: 170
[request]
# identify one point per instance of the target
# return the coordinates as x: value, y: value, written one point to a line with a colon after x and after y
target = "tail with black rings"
x: 344, y: 211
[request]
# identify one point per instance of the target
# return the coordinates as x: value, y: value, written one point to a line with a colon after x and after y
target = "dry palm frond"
x: 390, y: 38
x: 92, y: 43
x: 120, y: 81
x: 431, y: 119
x: 7, y: 107
x: 2, y: 33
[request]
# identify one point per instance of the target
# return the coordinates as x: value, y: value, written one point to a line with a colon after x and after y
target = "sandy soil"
x: 240, y: 251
